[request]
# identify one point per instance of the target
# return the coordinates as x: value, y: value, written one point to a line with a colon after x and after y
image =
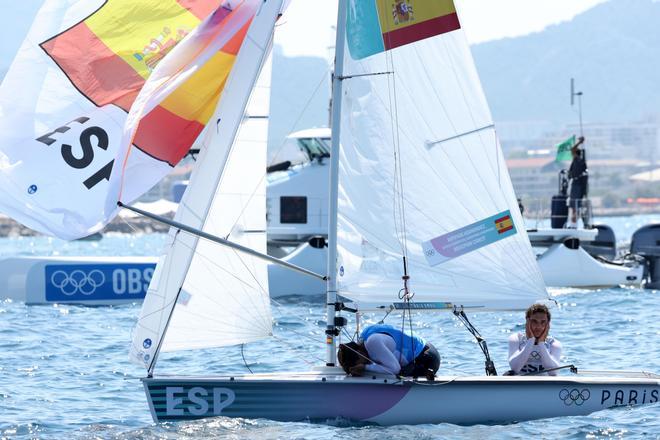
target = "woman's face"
x: 538, y: 322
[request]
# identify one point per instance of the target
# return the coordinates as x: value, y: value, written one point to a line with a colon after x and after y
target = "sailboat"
x: 422, y: 217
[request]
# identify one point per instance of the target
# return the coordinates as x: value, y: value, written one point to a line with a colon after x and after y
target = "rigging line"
x: 304, y: 110
x: 399, y: 209
x: 397, y: 146
x: 244, y: 361
x: 389, y: 111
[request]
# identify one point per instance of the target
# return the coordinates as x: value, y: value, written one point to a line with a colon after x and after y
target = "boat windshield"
x: 315, y: 148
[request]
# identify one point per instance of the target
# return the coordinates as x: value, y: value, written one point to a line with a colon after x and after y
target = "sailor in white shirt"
x: 535, y: 351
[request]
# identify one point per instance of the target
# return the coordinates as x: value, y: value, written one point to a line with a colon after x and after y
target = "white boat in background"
x: 586, y: 255
x: 565, y: 260
x: 581, y: 257
x: 83, y: 280
x: 396, y: 183
x: 90, y: 281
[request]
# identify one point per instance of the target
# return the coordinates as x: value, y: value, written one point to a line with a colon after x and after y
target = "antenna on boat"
x: 579, y: 96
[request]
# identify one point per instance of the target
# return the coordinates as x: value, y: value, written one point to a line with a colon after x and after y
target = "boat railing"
x: 618, y: 373
x: 539, y: 212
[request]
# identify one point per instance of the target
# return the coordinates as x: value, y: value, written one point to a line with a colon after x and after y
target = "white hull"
x: 76, y: 280
x: 564, y: 267
x: 387, y: 401
x: 284, y: 282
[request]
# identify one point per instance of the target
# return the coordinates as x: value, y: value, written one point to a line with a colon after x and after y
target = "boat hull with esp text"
x: 386, y: 400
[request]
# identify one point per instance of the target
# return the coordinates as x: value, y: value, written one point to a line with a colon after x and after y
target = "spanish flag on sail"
x: 504, y: 224
x: 65, y: 129
x: 103, y: 57
x: 375, y: 26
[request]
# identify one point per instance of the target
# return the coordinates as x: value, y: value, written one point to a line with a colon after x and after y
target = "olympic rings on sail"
x: 77, y: 281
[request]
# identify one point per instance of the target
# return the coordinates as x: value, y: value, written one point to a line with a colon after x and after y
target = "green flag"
x: 564, y: 149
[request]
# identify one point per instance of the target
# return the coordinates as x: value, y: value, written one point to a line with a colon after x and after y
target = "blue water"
x: 64, y: 371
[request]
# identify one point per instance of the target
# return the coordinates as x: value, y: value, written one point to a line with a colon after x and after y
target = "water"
x: 64, y: 371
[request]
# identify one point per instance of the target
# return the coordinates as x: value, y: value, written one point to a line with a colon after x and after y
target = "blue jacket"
x: 409, y: 346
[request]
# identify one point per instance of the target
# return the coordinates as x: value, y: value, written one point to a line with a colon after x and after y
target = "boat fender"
x: 572, y: 243
x: 318, y: 242
x: 282, y: 166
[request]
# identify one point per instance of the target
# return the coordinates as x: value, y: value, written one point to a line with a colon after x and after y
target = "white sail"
x: 64, y: 100
x: 420, y: 160
x: 221, y: 296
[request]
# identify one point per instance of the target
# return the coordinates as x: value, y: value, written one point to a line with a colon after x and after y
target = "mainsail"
x: 421, y: 172
x: 80, y: 70
x: 221, y: 296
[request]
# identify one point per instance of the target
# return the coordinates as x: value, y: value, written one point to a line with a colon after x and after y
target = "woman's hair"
x: 537, y: 308
x: 348, y: 355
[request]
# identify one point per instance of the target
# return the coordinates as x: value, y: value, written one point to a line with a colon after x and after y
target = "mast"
x: 331, y: 290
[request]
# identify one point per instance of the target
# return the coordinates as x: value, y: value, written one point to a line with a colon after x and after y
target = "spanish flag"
x: 375, y: 26
x: 503, y: 224
x: 110, y: 55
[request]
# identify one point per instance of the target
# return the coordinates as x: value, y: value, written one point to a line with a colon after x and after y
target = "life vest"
x: 409, y: 346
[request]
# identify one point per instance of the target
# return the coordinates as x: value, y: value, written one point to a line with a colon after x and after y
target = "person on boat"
x: 579, y: 177
x: 385, y: 349
x: 534, y: 352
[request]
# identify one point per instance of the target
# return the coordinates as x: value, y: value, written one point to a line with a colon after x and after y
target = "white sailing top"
x: 526, y: 357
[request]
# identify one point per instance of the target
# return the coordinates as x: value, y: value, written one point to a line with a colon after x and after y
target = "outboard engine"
x: 604, y: 245
x: 558, y: 208
x: 646, y: 243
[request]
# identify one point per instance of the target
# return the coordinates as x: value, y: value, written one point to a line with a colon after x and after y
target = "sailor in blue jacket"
x: 385, y: 349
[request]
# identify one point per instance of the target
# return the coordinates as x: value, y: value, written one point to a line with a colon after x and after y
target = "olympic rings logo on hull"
x: 77, y: 281
x: 574, y: 396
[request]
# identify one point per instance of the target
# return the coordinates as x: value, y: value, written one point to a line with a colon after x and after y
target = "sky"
x: 482, y: 20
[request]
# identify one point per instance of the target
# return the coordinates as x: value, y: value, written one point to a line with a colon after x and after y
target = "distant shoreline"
x: 601, y: 212
x: 11, y: 228
x: 129, y: 225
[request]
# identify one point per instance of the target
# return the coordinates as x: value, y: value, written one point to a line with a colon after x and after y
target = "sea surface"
x: 64, y: 371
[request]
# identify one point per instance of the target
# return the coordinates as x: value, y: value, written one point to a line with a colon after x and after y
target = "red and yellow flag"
x: 503, y: 224
x: 374, y: 26
x: 110, y: 55
x: 406, y: 21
